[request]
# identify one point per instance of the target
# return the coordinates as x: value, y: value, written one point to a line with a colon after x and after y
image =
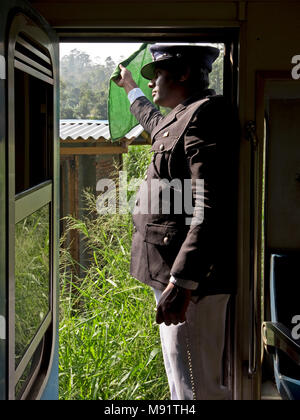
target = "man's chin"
x: 157, y: 101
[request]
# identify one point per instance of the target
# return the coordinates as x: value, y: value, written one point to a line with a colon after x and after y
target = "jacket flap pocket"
x: 163, y: 143
x: 162, y: 235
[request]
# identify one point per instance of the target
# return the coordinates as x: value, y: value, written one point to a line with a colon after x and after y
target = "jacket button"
x: 137, y: 202
x: 161, y: 147
x: 166, y: 240
x: 145, y: 178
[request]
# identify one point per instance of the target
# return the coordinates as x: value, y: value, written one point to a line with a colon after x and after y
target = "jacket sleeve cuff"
x: 133, y: 94
x: 186, y: 284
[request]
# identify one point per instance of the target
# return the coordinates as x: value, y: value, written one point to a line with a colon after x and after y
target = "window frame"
x: 230, y: 37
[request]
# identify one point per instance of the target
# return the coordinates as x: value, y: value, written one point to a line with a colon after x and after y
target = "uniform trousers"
x: 193, y: 350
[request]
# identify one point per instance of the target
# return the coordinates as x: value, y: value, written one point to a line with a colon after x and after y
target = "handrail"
x: 276, y: 335
x: 250, y: 129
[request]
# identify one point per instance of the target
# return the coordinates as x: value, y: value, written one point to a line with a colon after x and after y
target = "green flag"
x: 121, y: 121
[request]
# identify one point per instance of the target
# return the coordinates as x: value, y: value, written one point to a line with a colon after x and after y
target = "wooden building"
x: 86, y: 156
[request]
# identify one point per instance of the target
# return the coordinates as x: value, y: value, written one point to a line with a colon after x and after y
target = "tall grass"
x: 31, y: 277
x: 109, y: 341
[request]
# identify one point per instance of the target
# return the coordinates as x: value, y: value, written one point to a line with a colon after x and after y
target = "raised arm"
x: 143, y: 110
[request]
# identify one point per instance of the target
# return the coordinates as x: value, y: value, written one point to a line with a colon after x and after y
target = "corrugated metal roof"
x: 96, y: 129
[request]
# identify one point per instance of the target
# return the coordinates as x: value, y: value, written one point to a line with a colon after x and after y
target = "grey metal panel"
x: 32, y: 202
x: 3, y: 285
x: 93, y: 130
x: 83, y: 129
x: 3, y: 306
x: 96, y: 129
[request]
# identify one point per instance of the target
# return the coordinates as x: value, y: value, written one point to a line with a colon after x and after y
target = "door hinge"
x: 250, y: 129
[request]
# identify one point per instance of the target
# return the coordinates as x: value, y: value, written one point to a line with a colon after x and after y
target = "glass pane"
x: 33, y: 131
x: 29, y: 370
x: 31, y: 277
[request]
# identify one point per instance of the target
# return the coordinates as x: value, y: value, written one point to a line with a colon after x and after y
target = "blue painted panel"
x: 51, y: 389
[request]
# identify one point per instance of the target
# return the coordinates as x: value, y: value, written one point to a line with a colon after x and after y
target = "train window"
x: 31, y: 277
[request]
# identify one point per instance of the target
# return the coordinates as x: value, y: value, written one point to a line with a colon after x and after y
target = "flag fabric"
x: 121, y: 121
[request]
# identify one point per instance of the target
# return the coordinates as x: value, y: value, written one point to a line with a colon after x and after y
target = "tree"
x: 216, y: 76
x: 84, y: 86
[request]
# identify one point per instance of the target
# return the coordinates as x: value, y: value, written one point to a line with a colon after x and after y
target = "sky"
x: 100, y: 51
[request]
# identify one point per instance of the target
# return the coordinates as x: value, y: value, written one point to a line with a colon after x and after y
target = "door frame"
x: 45, y: 193
x: 259, y: 279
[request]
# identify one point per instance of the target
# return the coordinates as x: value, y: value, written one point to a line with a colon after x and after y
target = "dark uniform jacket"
x: 194, y: 141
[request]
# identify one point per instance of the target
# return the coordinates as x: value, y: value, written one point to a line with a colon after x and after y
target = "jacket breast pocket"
x: 163, y: 243
x: 162, y: 148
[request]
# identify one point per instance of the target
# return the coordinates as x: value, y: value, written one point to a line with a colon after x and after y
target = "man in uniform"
x: 181, y: 254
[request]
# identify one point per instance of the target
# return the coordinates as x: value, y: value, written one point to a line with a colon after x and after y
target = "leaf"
x: 92, y: 351
x: 152, y: 355
x: 125, y: 377
x: 112, y: 282
x: 95, y: 258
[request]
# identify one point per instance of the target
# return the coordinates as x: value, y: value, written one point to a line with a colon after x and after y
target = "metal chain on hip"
x: 190, y: 363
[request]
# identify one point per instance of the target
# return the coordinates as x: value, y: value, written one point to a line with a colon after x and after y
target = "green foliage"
x: 216, y: 76
x: 109, y: 341
x: 84, y: 86
x: 32, y: 277
x: 136, y: 161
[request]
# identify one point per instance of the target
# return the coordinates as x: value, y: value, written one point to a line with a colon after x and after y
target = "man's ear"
x: 185, y: 75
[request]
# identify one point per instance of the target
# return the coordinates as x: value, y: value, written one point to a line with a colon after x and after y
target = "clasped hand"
x: 172, y: 306
x: 125, y: 79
